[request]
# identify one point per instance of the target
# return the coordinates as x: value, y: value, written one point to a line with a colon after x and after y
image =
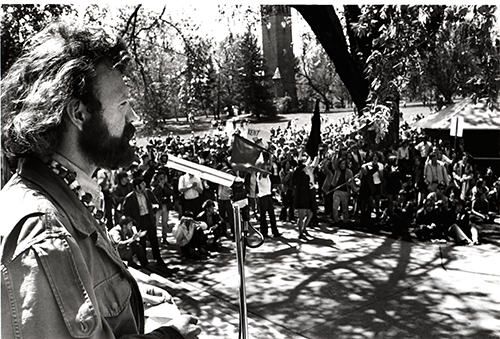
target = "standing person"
x: 266, y: 205
x: 191, y: 188
x: 463, y: 174
x: 226, y: 210
x: 65, y: 113
x: 251, y: 188
x: 342, y: 182
x: 435, y: 172
x: 120, y: 190
x: 371, y: 176
x: 403, y: 158
x: 164, y: 193
x: 139, y: 205
x: 302, y: 198
x: 286, y: 190
x: 418, y: 180
x: 103, y: 179
x: 310, y: 168
x: 327, y: 171
x: 393, y: 182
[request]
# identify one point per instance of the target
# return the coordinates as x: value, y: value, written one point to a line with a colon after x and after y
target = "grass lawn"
x: 203, y: 124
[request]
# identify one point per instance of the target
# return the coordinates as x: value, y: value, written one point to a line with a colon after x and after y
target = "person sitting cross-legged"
x: 126, y: 238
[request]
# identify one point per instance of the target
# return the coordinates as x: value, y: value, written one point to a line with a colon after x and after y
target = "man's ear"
x: 77, y: 113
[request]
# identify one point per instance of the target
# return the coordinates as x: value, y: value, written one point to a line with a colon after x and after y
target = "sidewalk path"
x: 344, y: 284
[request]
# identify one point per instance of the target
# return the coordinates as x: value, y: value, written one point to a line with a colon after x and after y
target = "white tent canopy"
x: 476, y: 115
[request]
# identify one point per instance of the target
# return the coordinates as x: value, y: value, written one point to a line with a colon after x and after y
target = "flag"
x: 246, y: 155
x: 312, y: 146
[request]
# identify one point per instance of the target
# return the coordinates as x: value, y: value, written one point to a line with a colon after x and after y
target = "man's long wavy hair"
x: 55, y: 66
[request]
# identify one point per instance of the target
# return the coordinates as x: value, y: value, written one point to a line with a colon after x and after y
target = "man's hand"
x: 186, y: 325
x: 153, y: 295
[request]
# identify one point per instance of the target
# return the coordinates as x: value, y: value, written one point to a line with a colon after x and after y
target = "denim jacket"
x: 61, y: 277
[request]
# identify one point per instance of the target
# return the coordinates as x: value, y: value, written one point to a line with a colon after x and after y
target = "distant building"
x: 278, y: 50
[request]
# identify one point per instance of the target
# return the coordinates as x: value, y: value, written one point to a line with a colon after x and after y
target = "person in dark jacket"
x: 302, y: 198
x: 141, y: 205
x: 214, y: 222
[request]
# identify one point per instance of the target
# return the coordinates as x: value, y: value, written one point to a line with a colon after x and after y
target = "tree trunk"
x: 327, y: 104
x: 326, y: 25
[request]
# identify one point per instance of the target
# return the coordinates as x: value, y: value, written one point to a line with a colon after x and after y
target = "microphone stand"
x: 241, y: 221
x: 240, y: 253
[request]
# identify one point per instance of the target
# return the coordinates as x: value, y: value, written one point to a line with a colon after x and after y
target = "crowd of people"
x: 392, y: 189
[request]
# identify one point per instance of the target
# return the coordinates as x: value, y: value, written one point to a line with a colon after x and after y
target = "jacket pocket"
x: 113, y: 295
x: 68, y: 288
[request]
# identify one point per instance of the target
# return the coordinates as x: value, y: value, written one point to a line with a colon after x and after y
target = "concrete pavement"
x: 343, y: 283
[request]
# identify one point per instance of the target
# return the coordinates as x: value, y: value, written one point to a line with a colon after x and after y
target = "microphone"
x: 202, y: 171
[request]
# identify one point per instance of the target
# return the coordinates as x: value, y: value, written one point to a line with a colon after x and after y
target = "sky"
x: 206, y: 15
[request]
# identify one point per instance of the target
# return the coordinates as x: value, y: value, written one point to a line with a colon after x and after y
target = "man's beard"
x: 104, y: 150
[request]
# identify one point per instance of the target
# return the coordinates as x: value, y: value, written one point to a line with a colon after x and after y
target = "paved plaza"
x: 343, y: 283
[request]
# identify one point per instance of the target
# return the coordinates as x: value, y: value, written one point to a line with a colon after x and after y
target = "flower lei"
x: 69, y: 178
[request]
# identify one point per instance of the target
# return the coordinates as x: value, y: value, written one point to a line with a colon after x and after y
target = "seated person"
x: 480, y: 209
x: 402, y: 215
x: 457, y: 225
x: 494, y: 198
x: 126, y: 238
x: 479, y: 186
x: 190, y: 236
x: 213, y: 221
x: 439, y: 195
x: 427, y: 221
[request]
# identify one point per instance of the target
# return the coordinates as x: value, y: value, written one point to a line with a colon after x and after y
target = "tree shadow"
x: 371, y: 286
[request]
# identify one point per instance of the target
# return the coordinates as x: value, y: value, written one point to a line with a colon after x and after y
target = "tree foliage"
x: 252, y: 85
x: 225, y: 59
x: 449, y: 48
x: 444, y: 50
x: 317, y: 76
x: 21, y: 21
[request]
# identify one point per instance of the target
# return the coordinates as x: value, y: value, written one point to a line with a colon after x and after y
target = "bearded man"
x: 65, y: 113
